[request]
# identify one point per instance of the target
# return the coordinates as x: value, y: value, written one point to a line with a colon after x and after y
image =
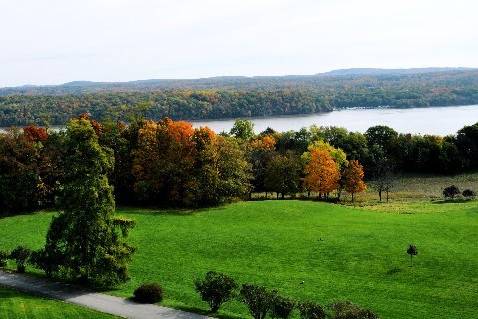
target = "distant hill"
x: 326, y: 79
x: 376, y: 71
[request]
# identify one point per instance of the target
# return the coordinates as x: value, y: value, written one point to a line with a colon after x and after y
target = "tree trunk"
x: 380, y: 195
x: 387, y: 196
x: 282, y: 195
x: 353, y: 201
x: 277, y: 195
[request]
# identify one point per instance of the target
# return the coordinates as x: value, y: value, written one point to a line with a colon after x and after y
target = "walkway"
x: 100, y: 302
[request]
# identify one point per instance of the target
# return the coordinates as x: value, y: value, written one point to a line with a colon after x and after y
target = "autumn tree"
x: 354, y: 175
x: 22, y: 187
x: 84, y: 242
x: 321, y: 172
x: 163, y: 161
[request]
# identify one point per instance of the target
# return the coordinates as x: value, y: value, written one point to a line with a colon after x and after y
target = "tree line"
x: 170, y: 163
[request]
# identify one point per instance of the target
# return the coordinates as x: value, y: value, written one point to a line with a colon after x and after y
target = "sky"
x: 57, y: 41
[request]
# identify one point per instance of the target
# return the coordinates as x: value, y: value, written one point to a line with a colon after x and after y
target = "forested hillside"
x: 232, y: 97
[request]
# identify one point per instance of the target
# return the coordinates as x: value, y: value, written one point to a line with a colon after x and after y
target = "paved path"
x: 101, y: 302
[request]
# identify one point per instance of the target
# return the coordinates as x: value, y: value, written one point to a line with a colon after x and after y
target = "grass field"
x: 17, y: 305
x: 340, y: 252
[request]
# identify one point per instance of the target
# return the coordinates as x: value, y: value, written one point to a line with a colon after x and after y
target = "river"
x: 429, y: 120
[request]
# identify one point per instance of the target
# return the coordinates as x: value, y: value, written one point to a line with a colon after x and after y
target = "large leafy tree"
x: 283, y: 174
x: 467, y: 142
x: 84, y: 241
x: 221, y: 170
x: 260, y: 152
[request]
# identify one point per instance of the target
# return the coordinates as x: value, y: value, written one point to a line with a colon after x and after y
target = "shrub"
x: 451, y: 191
x: 3, y: 258
x: 468, y: 193
x: 148, y: 293
x: 348, y: 310
x: 20, y: 255
x: 215, y: 289
x: 310, y: 310
x: 258, y: 299
x: 282, y: 307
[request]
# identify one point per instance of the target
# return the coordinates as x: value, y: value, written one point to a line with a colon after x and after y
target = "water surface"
x: 430, y: 120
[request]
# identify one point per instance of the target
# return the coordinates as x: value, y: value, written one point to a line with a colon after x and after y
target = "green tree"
x: 84, y: 241
x: 283, y: 174
x: 221, y: 171
x: 243, y: 129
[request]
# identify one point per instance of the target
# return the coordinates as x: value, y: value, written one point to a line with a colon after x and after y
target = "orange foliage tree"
x: 322, y: 174
x: 353, y: 176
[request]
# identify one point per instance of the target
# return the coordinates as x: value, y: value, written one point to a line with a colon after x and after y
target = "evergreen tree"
x: 84, y: 242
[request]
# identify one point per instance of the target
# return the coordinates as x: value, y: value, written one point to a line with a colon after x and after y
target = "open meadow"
x: 338, y: 252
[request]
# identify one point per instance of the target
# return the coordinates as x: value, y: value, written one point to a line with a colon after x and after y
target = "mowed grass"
x: 17, y: 305
x: 339, y: 252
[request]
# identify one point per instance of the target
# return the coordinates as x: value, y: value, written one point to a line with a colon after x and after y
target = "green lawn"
x: 17, y: 305
x: 339, y: 252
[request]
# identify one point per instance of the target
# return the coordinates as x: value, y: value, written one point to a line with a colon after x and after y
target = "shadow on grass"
x: 455, y: 201
x: 205, y: 312
x: 24, y: 213
x: 175, y: 211
x: 393, y: 271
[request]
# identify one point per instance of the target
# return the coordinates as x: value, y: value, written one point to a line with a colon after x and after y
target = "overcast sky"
x: 56, y: 41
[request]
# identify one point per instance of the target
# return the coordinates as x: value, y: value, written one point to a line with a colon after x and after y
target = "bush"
x: 3, y: 258
x: 451, y: 191
x: 258, y: 299
x: 148, y: 293
x: 468, y: 193
x: 310, y: 310
x: 348, y: 310
x: 20, y: 255
x: 282, y: 307
x: 215, y: 289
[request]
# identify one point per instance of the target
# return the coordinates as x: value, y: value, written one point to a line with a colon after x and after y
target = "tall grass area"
x: 17, y: 305
x: 338, y: 252
x: 405, y: 188
x: 420, y: 187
